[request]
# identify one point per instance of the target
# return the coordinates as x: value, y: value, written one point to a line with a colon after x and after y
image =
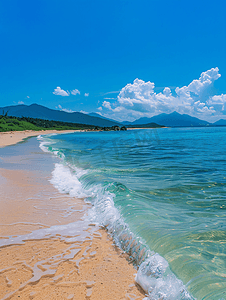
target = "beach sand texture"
x: 53, y: 262
x: 13, y: 137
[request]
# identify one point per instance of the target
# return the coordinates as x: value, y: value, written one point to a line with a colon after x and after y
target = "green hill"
x: 9, y: 123
x: 45, y: 113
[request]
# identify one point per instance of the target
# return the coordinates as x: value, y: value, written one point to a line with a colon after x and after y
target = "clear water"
x: 157, y: 191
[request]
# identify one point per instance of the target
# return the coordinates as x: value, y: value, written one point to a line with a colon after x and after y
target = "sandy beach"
x: 39, y: 259
x: 13, y: 137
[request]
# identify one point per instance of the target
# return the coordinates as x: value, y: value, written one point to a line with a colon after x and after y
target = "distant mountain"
x: 148, y: 125
x: 172, y: 120
x: 220, y: 122
x: 143, y: 120
x: 42, y: 112
x: 93, y: 114
x: 126, y: 122
x: 99, y: 116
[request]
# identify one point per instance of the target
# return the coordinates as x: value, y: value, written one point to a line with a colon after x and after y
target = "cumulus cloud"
x: 138, y: 99
x: 64, y: 109
x: 197, y: 86
x: 218, y: 103
x: 59, y: 92
x: 86, y: 94
x: 20, y: 102
x: 84, y: 112
x: 75, y: 92
x: 107, y: 105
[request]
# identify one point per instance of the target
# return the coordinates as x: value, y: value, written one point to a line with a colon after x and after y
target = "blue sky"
x: 85, y: 55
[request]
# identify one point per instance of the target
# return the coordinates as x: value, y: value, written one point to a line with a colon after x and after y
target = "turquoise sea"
x: 161, y: 193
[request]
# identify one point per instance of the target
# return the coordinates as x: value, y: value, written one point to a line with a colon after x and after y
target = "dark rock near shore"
x: 113, y: 128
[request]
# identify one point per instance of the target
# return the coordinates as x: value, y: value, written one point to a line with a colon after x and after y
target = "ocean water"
x: 161, y: 193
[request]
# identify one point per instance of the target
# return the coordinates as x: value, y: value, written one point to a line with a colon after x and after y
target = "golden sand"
x: 13, y: 137
x: 55, y: 268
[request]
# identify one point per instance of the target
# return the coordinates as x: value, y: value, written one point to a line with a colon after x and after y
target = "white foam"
x: 157, y: 280
x: 43, y: 144
x: 154, y: 274
x: 67, y: 182
x: 76, y: 231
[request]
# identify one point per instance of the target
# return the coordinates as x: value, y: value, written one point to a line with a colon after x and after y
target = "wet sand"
x: 39, y: 260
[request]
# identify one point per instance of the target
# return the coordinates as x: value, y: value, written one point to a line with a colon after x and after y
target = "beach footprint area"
x: 47, y: 249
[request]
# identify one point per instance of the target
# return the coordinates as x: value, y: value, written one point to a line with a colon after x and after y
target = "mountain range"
x: 173, y: 120
x: 42, y: 112
x: 38, y: 111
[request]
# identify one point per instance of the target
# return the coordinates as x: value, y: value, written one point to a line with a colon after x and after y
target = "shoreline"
x: 14, y: 137
x: 90, y: 267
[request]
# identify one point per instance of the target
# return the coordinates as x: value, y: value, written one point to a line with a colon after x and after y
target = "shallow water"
x: 157, y: 191
x: 33, y: 211
x: 27, y: 155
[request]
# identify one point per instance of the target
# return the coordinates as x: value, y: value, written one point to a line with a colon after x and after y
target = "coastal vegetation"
x: 10, y: 123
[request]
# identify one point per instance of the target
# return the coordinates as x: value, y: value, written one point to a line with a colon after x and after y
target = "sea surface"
x: 161, y: 193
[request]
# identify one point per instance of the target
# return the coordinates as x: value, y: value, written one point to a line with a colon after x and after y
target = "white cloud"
x: 113, y: 92
x: 138, y: 99
x: 217, y: 99
x: 107, y: 105
x: 64, y: 109
x: 100, y: 108
x: 28, y: 97
x: 218, y: 102
x: 197, y: 86
x: 58, y: 91
x: 84, y: 112
x: 86, y: 94
x: 67, y: 110
x: 110, y: 98
x: 20, y: 102
x: 75, y: 92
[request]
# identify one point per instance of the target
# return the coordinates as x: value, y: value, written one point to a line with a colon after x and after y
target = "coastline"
x: 89, y: 267
x: 14, y: 137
